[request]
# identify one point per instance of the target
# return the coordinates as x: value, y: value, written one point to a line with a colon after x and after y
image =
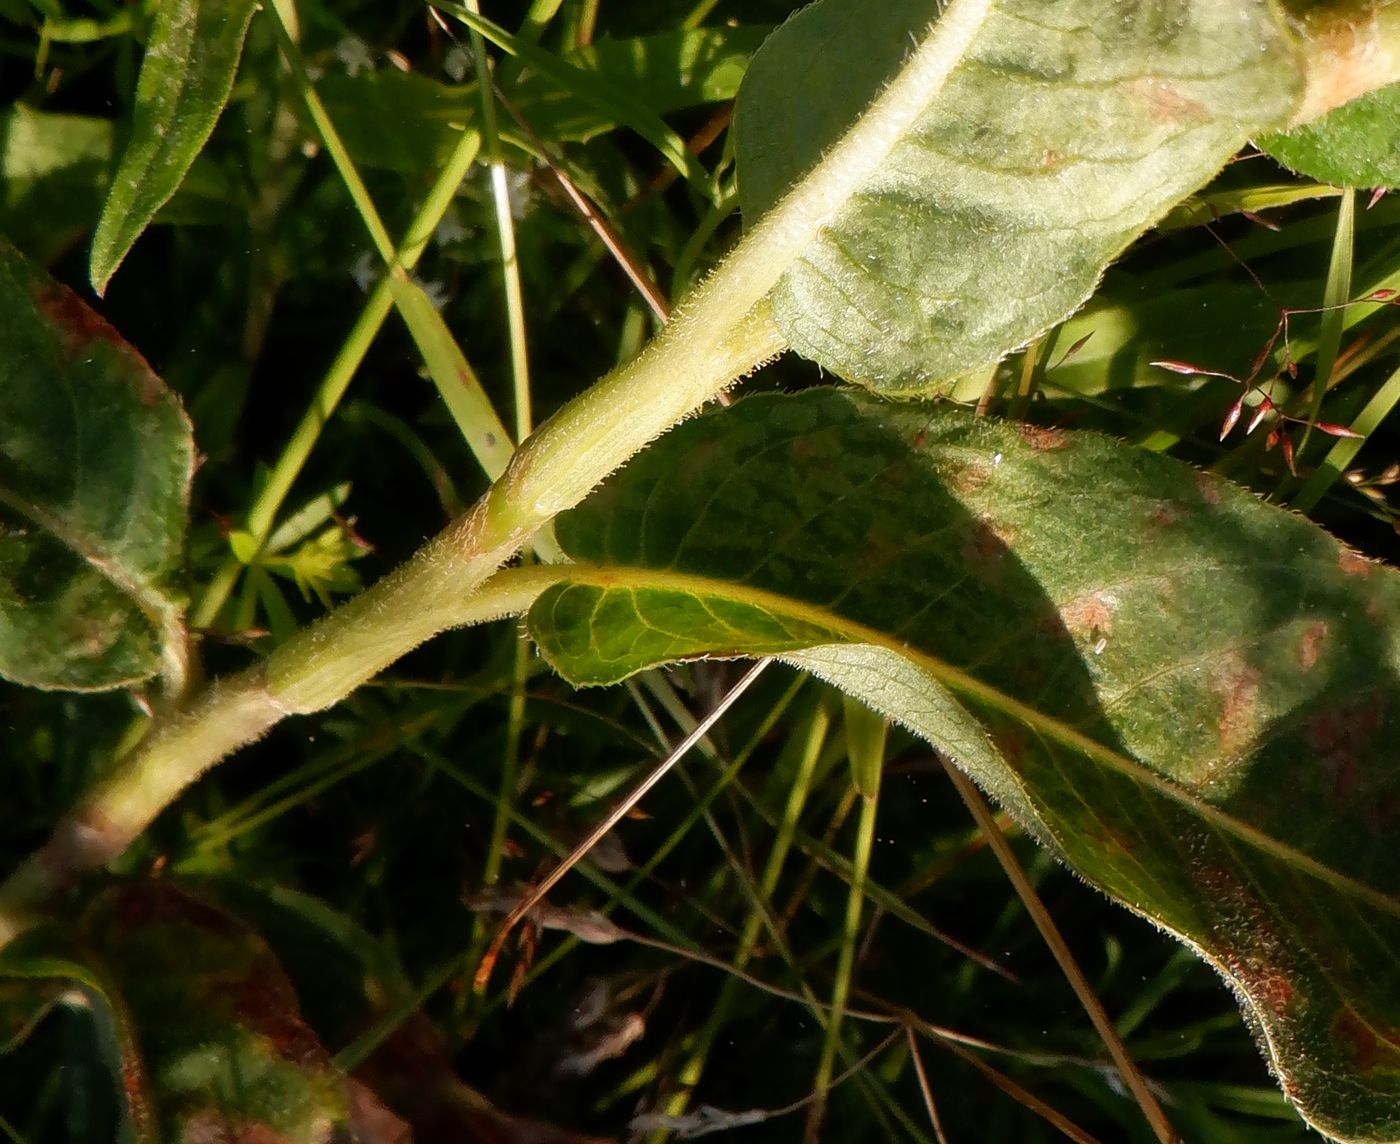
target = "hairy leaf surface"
x: 1064, y: 132
x: 224, y: 1050
x: 95, y: 463
x: 1190, y: 696
x: 204, y: 1031
x: 1352, y: 146
x: 185, y: 81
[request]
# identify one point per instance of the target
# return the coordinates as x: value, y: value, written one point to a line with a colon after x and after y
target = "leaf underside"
x: 1190, y: 696
x: 185, y: 81
x: 1063, y: 134
x: 95, y: 463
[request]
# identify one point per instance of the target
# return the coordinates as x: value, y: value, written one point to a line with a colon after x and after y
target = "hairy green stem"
x: 722, y: 333
x: 235, y: 711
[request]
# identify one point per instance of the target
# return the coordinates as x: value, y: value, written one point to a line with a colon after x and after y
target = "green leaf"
x: 49, y: 963
x: 609, y: 98
x: 1188, y: 695
x: 201, y: 1026
x: 1130, y: 325
x: 398, y: 121
x: 406, y: 122
x: 224, y: 1051
x: 95, y: 463
x: 866, y: 733
x: 1352, y: 146
x: 185, y: 81
x: 53, y: 169
x: 668, y: 72
x: 1061, y: 134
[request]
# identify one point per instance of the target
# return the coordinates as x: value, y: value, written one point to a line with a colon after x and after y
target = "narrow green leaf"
x: 185, y: 81
x: 1353, y: 146
x: 1382, y: 404
x: 1188, y: 695
x: 95, y: 463
x: 866, y: 733
x: 1131, y: 325
x: 1063, y: 132
x: 1335, y: 296
x: 475, y: 416
x: 1204, y: 209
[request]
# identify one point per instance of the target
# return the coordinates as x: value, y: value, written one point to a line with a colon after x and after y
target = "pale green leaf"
x: 53, y: 169
x: 1063, y: 132
x: 186, y: 77
x: 95, y: 463
x: 1188, y: 695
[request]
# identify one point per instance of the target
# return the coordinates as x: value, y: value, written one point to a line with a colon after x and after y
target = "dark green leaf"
x: 1353, y: 146
x: 1219, y: 327
x: 398, y: 121
x: 223, y: 1049
x: 406, y: 122
x: 667, y: 72
x: 1061, y: 134
x: 1188, y: 695
x: 95, y: 464
x: 186, y: 78
x: 49, y: 963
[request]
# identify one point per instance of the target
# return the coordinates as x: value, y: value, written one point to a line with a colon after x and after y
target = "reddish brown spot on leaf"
x: 213, y: 1125
x: 1041, y: 439
x: 134, y: 1090
x: 1167, y: 105
x: 986, y: 549
x: 1369, y: 1047
x: 964, y: 478
x: 1236, y: 687
x: 1310, y: 647
x: 264, y: 1002
x: 998, y: 529
x: 1252, y: 960
x: 81, y: 325
x: 1090, y: 617
x: 1208, y: 487
x: 373, y: 1121
x: 1353, y: 564
x: 1162, y: 514
x: 1270, y: 987
x: 1341, y: 739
